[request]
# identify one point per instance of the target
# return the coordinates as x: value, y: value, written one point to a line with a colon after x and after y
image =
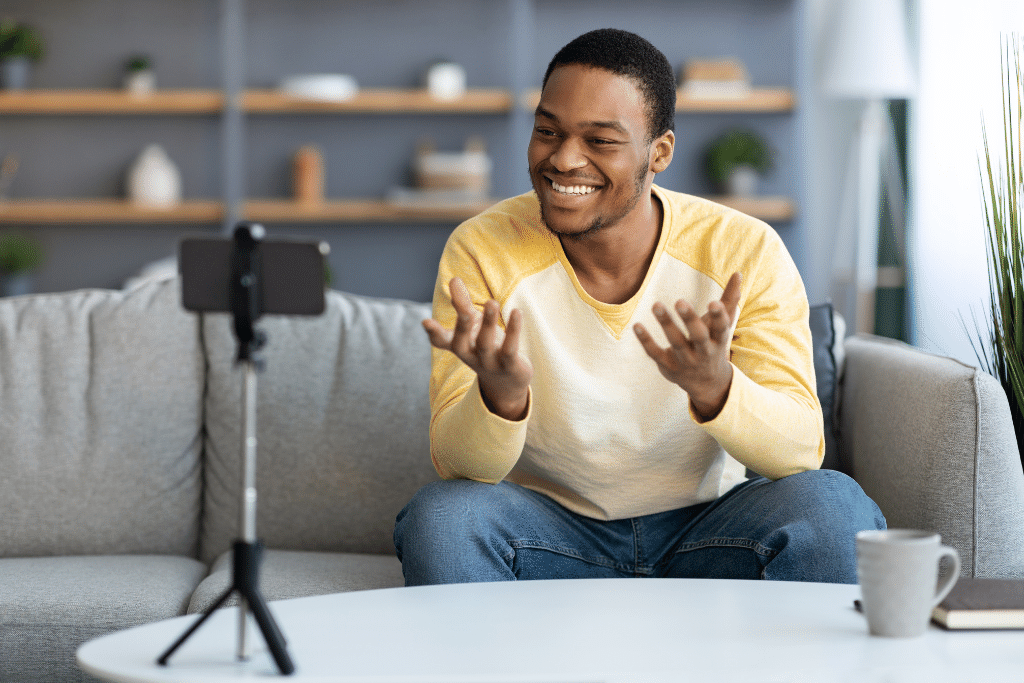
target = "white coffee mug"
x: 898, y: 571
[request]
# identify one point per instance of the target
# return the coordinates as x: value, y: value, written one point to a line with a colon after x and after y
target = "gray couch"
x: 119, y: 447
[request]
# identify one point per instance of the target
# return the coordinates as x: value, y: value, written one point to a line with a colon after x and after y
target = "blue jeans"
x: 799, y: 528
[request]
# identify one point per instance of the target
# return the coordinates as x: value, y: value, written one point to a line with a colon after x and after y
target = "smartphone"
x: 292, y: 278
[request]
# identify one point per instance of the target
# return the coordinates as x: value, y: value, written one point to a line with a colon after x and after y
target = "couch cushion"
x: 825, y: 340
x: 342, y: 427
x: 100, y: 437
x: 931, y: 441
x: 296, y: 574
x: 51, y: 605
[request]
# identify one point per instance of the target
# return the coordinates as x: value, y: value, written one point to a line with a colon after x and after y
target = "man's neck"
x: 611, y: 264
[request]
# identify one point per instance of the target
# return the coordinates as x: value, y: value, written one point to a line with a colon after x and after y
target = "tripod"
x: 246, y: 300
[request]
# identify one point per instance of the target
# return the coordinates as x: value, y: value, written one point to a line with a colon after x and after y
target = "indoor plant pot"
x: 20, y: 45
x: 736, y: 160
x: 19, y: 257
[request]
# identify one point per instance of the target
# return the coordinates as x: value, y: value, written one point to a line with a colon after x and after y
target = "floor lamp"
x: 869, y: 62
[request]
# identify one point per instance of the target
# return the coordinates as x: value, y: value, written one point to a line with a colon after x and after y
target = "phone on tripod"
x: 291, y: 282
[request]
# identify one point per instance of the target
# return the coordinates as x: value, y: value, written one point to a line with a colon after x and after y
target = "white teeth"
x: 575, y: 189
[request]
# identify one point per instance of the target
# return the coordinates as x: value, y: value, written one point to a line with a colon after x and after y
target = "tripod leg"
x: 271, y: 633
x: 194, y: 627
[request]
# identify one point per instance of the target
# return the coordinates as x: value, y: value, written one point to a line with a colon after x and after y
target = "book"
x: 715, y: 79
x: 982, y: 604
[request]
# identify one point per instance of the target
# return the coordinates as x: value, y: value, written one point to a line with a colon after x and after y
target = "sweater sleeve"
x: 467, y: 440
x: 772, y: 421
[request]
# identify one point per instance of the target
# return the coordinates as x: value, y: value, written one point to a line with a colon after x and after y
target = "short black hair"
x: 627, y: 54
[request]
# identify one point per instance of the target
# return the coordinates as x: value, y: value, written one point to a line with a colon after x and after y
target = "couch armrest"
x: 931, y: 441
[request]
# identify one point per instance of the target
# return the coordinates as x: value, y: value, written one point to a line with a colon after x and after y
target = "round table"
x: 571, y: 631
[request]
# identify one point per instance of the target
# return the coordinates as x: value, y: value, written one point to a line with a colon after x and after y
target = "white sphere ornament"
x: 446, y: 81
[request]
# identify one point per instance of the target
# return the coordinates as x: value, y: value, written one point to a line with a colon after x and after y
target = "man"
x: 581, y: 429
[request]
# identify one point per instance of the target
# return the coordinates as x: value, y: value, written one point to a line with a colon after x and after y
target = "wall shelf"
x: 111, y: 101
x: 368, y: 101
x: 106, y: 211
x: 760, y: 100
x: 380, y: 101
x: 52, y: 211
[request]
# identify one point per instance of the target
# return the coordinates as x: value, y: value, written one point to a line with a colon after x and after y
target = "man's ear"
x: 661, y: 151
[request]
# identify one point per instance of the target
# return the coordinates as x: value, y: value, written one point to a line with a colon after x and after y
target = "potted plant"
x: 19, y: 256
x: 736, y: 160
x: 139, y: 77
x: 20, y: 45
x: 999, y: 346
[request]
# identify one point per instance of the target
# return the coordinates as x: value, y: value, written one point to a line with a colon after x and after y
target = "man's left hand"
x: 698, y: 361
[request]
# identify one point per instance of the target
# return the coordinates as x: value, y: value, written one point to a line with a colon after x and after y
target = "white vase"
x: 140, y: 82
x: 742, y: 181
x: 446, y: 81
x: 15, y: 72
x: 154, y: 180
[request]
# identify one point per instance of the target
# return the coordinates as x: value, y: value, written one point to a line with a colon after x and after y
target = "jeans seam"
x: 526, y: 544
x: 745, y: 543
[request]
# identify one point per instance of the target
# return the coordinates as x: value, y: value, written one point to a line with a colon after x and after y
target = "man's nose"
x: 568, y: 156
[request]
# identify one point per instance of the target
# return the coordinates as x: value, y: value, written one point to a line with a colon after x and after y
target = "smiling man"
x: 611, y: 357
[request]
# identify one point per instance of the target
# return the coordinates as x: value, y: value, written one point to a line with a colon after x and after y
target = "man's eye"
x: 602, y: 141
x: 545, y: 132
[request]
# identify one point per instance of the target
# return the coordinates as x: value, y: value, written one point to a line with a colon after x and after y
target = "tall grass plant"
x: 1000, y: 347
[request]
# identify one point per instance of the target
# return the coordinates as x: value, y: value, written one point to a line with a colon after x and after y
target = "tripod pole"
x: 247, y: 523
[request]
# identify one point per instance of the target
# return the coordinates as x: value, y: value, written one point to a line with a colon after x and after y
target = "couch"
x: 119, y: 447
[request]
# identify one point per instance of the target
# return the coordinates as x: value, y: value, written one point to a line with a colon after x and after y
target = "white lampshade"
x: 870, y: 58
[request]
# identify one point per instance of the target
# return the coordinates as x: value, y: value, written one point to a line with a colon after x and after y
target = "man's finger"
x: 675, y: 336
x: 510, y: 346
x: 731, y: 295
x: 438, y: 335
x: 696, y: 329
x: 485, y: 349
x: 660, y: 356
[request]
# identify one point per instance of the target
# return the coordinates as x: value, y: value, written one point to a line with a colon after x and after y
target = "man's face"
x: 589, y: 155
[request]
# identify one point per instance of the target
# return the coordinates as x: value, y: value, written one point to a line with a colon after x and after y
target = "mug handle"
x: 954, y: 574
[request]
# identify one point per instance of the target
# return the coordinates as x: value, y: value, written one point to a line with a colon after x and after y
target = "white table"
x: 608, y: 630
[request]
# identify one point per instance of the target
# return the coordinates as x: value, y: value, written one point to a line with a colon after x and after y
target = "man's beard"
x: 601, y: 222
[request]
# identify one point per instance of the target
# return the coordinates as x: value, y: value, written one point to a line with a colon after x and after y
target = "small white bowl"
x: 328, y: 87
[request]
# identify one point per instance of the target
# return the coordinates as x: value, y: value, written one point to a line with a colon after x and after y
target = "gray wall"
x: 502, y: 43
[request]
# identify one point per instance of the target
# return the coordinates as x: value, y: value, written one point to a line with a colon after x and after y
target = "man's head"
x: 627, y: 54
x: 597, y: 139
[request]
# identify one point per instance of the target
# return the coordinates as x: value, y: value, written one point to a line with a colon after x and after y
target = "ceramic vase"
x: 14, y: 72
x: 743, y: 181
x: 446, y: 81
x: 140, y: 82
x: 154, y: 180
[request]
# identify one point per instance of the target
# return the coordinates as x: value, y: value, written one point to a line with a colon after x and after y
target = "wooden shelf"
x: 760, y: 100
x: 288, y: 211
x: 380, y: 101
x: 355, y: 210
x: 766, y: 208
x: 110, y: 102
x: 106, y: 211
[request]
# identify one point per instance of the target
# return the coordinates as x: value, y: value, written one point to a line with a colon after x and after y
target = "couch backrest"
x: 100, y: 423
x: 931, y: 441
x: 342, y: 426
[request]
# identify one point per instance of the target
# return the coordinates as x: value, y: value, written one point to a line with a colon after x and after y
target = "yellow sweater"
x: 606, y: 434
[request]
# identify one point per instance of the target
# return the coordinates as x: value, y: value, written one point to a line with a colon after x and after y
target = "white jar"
x: 446, y: 81
x: 154, y: 180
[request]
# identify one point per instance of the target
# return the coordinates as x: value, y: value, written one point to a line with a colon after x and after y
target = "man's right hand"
x: 492, y: 353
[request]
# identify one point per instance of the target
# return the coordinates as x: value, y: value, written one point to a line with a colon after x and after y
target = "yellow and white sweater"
x: 606, y: 434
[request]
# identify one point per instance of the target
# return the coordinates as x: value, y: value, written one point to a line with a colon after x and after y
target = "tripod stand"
x: 246, y: 297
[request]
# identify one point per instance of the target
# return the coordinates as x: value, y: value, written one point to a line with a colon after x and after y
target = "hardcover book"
x: 982, y: 604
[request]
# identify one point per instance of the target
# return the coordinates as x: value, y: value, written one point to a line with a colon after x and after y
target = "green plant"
x: 1000, y: 347
x: 19, y: 254
x: 138, y: 62
x: 734, y: 148
x: 20, y: 40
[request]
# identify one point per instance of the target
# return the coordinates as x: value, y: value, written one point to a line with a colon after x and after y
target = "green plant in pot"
x: 19, y: 257
x: 20, y: 45
x: 1000, y: 346
x: 139, y: 77
x: 736, y: 160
